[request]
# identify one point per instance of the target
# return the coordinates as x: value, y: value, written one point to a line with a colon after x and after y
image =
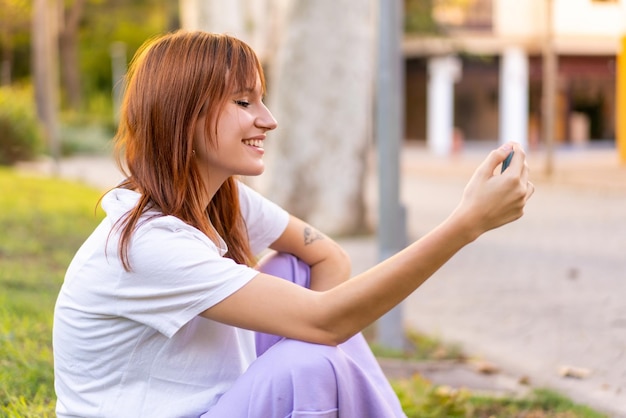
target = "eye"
x: 242, y: 103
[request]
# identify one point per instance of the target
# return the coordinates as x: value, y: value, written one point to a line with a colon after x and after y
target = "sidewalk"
x: 537, y: 296
x: 533, y: 297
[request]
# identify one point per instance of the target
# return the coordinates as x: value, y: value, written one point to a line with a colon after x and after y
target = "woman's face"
x: 241, y: 130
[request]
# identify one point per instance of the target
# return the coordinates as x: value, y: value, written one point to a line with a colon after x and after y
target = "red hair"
x: 171, y: 81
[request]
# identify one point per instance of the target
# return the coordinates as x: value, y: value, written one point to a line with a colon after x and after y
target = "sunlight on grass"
x: 44, y: 221
x: 421, y: 399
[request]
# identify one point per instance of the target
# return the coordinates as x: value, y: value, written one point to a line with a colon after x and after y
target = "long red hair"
x: 171, y: 80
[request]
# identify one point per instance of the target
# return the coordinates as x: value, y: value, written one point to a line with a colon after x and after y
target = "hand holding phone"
x: 506, y: 162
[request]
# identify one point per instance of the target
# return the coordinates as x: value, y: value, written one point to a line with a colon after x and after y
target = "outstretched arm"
x: 332, y: 316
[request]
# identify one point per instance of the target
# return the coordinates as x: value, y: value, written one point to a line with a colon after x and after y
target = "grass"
x: 44, y: 221
x: 419, y: 347
x: 422, y: 399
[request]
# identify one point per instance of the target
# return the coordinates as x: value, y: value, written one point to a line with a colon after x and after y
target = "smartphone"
x: 506, y: 162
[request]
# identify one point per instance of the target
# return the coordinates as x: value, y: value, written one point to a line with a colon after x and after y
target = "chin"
x: 254, y: 172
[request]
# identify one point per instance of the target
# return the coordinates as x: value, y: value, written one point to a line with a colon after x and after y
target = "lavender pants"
x: 295, y: 379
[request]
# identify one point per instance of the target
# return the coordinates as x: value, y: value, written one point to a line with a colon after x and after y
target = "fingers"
x: 497, y: 199
x: 519, y: 167
x: 494, y: 159
x: 530, y: 189
x: 518, y: 163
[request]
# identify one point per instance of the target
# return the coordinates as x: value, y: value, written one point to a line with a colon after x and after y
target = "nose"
x: 265, y: 119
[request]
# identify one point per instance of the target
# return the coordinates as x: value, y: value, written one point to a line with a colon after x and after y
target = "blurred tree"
x: 45, y: 69
x: 423, y: 17
x: 321, y: 88
x: 68, y: 50
x: 215, y: 16
x: 321, y: 66
x: 105, y: 22
x: 418, y: 17
x: 256, y: 22
x: 86, y: 30
x: 14, y: 26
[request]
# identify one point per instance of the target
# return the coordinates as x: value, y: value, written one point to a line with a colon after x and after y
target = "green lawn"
x: 44, y: 221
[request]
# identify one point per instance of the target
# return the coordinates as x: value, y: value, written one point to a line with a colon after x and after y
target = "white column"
x: 443, y: 73
x: 514, y: 96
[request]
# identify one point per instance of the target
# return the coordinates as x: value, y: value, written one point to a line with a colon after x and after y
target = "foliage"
x: 541, y: 404
x: 418, y: 17
x: 21, y: 135
x: 425, y: 347
x: 102, y: 23
x: 420, y: 347
x: 426, y: 17
x: 116, y: 21
x: 90, y: 139
x: 421, y: 399
x: 15, y: 36
x: 44, y: 221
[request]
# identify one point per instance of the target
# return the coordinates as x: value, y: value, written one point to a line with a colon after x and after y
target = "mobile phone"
x: 506, y: 162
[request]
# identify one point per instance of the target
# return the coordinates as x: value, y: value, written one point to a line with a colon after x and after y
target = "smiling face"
x: 241, y: 129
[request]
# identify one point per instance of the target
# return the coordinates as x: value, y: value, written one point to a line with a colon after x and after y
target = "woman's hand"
x: 490, y: 199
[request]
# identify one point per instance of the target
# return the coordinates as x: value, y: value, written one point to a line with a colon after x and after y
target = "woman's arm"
x: 334, y: 315
x: 330, y: 264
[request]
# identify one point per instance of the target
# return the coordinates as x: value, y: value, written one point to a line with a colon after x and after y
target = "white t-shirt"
x: 131, y: 344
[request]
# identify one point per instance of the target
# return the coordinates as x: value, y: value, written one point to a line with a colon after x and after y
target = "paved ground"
x: 545, y: 293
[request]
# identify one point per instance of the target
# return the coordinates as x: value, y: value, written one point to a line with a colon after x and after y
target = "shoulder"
x: 265, y: 220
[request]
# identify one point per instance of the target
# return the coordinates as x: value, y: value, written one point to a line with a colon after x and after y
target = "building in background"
x: 481, y: 35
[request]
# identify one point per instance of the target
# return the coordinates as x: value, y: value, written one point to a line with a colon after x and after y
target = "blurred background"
x: 544, y: 73
x: 384, y: 109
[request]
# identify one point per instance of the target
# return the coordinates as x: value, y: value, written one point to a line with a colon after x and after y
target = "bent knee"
x: 299, y: 359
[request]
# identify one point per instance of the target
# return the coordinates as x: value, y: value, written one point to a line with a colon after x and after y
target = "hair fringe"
x: 154, y: 141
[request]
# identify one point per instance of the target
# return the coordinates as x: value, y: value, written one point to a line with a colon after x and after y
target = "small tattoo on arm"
x: 311, y: 235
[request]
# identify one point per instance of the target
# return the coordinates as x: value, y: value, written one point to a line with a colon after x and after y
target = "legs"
x: 294, y: 379
x: 302, y: 380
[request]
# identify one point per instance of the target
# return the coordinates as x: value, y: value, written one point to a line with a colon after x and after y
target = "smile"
x: 257, y: 143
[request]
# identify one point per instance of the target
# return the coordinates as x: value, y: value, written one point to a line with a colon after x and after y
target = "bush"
x: 21, y: 136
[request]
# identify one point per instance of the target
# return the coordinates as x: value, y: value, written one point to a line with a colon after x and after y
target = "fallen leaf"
x: 575, y: 372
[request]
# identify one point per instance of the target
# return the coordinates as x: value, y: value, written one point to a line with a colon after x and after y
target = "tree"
x: 319, y: 56
x: 68, y: 51
x: 14, y: 23
x: 110, y: 21
x: 248, y: 20
x: 321, y: 89
x: 45, y: 69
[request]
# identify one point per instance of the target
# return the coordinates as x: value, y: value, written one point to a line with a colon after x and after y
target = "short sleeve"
x: 265, y: 220
x: 171, y: 283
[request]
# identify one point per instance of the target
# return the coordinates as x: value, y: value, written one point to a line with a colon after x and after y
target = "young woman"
x: 165, y: 311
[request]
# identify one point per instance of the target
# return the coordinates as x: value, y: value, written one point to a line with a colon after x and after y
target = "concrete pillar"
x: 514, y: 96
x: 443, y: 72
x: 620, y: 139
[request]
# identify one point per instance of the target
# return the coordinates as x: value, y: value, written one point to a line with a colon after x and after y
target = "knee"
x: 286, y: 266
x: 298, y: 360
